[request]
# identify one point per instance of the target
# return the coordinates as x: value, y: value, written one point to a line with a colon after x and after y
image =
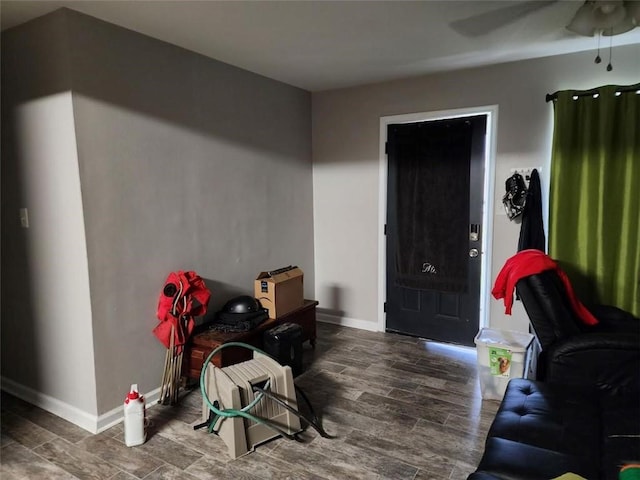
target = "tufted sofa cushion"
x: 542, y: 431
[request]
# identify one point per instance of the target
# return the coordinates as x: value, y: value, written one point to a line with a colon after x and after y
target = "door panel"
x: 434, y: 219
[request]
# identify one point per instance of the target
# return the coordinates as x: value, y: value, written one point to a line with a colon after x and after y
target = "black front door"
x: 434, y: 228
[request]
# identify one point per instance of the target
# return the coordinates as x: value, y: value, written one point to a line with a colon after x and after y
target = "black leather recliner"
x: 582, y: 415
x: 606, y: 355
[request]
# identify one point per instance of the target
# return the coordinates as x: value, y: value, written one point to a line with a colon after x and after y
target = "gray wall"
x: 346, y: 163
x: 185, y: 163
x: 47, y: 342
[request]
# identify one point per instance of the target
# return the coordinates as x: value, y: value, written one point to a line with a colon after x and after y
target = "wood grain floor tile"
x: 197, y: 440
x: 169, y: 472
x: 341, y: 422
x: 434, y: 411
x: 386, y: 465
x: 424, y: 475
x: 417, y: 453
x: 382, y: 381
x: 353, y: 379
x: 21, y: 463
x: 463, y: 470
x: 405, y: 353
x: 375, y: 411
x: 76, y: 460
x: 436, y: 371
x: 129, y: 459
x: 117, y: 432
x: 55, y: 424
x: 262, y: 465
x: 450, y: 442
x: 188, y: 410
x: 346, y: 359
x: 324, y: 366
x: 478, y: 424
x: 422, y: 395
x: 123, y: 476
x: 174, y: 453
x: 394, y: 369
x: 325, y: 463
x: 208, y: 468
x: 399, y: 408
x: 23, y: 431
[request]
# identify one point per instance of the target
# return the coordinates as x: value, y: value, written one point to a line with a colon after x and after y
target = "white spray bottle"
x: 135, y: 432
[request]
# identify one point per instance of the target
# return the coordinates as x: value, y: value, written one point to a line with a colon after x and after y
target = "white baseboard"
x: 50, y: 404
x: 347, y: 322
x: 91, y: 423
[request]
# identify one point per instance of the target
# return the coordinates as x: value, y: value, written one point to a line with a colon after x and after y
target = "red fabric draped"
x: 530, y: 262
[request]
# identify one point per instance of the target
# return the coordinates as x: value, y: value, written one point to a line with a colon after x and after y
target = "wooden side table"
x: 202, y: 344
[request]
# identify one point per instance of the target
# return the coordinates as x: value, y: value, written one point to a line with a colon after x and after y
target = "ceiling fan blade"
x: 487, y: 22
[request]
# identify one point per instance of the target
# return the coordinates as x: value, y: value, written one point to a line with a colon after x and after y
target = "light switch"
x: 24, y: 218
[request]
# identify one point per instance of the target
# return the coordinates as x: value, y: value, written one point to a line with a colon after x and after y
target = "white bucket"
x: 501, y: 357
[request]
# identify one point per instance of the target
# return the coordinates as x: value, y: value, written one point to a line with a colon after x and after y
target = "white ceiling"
x: 320, y: 45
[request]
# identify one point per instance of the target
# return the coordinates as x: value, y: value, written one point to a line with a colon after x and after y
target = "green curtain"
x: 594, y: 199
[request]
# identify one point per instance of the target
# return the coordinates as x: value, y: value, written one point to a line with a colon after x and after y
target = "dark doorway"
x: 434, y: 227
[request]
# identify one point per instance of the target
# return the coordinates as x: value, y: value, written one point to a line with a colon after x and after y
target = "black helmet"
x: 516, y: 197
x: 242, y: 304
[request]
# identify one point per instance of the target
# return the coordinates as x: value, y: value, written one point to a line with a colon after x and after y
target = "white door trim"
x: 491, y: 112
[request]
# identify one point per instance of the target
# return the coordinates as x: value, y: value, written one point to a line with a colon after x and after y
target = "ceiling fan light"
x: 607, y: 7
x: 608, y: 13
x: 623, y: 27
x: 582, y: 22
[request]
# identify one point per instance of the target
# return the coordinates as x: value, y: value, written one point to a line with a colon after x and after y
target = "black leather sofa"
x: 543, y: 431
x: 582, y: 414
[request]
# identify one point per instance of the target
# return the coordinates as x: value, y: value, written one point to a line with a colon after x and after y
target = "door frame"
x: 491, y: 111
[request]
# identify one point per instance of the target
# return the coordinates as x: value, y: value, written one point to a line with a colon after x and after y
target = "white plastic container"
x: 135, y: 432
x: 502, y: 355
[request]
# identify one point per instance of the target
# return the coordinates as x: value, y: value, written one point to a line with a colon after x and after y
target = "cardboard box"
x: 280, y: 291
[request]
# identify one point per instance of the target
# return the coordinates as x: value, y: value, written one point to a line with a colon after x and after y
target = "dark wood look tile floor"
x: 400, y: 408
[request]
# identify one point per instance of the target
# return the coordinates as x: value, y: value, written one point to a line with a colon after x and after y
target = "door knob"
x: 473, y: 252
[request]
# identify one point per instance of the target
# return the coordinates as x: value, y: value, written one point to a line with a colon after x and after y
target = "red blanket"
x: 530, y: 262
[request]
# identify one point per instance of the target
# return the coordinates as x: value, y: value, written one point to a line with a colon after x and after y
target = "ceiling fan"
x: 611, y: 17
x: 606, y: 17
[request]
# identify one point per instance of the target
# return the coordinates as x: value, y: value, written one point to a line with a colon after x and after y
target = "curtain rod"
x: 587, y: 93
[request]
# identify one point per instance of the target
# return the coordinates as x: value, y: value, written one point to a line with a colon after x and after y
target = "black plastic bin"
x: 284, y: 343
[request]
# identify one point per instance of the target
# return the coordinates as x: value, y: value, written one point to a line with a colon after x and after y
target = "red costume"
x: 176, y: 307
x: 530, y: 262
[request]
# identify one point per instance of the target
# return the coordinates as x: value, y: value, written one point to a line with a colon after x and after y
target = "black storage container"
x: 284, y: 343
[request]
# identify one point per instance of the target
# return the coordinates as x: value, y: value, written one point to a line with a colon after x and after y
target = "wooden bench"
x: 202, y: 344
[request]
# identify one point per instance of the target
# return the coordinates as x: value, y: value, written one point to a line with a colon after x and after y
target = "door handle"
x: 473, y: 253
